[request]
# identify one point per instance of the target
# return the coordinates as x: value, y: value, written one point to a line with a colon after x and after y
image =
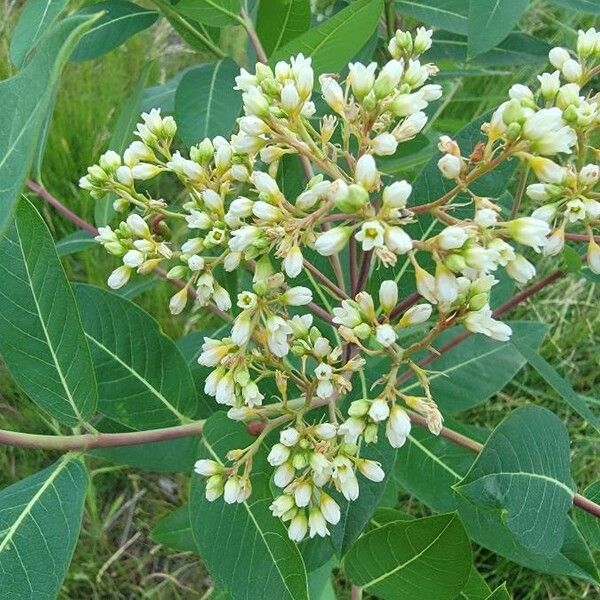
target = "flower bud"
x: 450, y: 166
x: 371, y: 470
x: 452, y: 237
x: 396, y: 194
x: 366, y: 173
x: 572, y: 71
x: 119, y: 277
x: 207, y: 468
x: 388, y: 295
x: 355, y: 198
x: 384, y: 144
x: 558, y: 57
x: 416, y: 314
x: 361, y: 78
x: 332, y: 241
x: 593, y: 256
x: 549, y: 84
x: 385, y: 335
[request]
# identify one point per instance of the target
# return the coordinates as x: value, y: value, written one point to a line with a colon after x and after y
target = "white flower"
x: 589, y: 175
x: 520, y: 92
x: 290, y: 99
x: 119, y: 277
x: 303, y: 74
x: 351, y: 428
x: 416, y: 314
x: 405, y: 105
x: 344, y: 479
x: 422, y: 41
x: 385, y: 335
x: 282, y: 504
x: 558, y: 57
x: 317, y: 523
x: 410, y: 126
x: 348, y: 315
x: 379, y: 410
x: 446, y: 284
x: 138, y: 226
x: 214, y: 488
x: 520, y: 269
x: 298, y: 527
x: 330, y: 509
x: 593, y: 256
x: 289, y: 437
x: 384, y: 144
x: 332, y: 93
x: 587, y: 42
x: 555, y: 243
x: 252, y: 395
x: 529, y: 231
x: 277, y: 332
x: 242, y: 328
x: 283, y: 475
x: 547, y: 212
x: 371, y: 470
x: 361, y: 78
x: 486, y: 217
x: 243, y: 238
x: 232, y: 490
x: 452, y: 237
x: 332, y: 241
x: 278, y: 455
x: 144, y: 171
x: 572, y: 70
x: 213, y: 351
x: 450, y: 166
x: 255, y: 102
x: 365, y: 173
x: 396, y: 194
x: 388, y: 295
x: 293, y: 261
x: 302, y: 494
x: 481, y: 321
x: 397, y: 427
x: 549, y: 84
x: 397, y: 240
x: 547, y: 170
x: 297, y: 296
x: 371, y: 235
x: 326, y: 431
x: 133, y: 259
x: 207, y: 467
x: 198, y: 220
x: 225, y: 393
x: 178, y: 301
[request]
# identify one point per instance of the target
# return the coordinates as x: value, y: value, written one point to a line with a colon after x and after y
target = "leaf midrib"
x: 527, y: 474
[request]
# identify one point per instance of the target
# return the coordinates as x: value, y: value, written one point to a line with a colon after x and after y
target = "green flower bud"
x: 355, y: 199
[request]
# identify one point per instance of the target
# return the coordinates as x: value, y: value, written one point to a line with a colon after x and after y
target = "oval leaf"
x: 174, y: 531
x: 281, y: 21
x: 524, y: 465
x: 206, y: 104
x: 143, y: 381
x: 333, y: 43
x: 590, y: 524
x: 254, y: 558
x: 78, y: 241
x: 398, y: 559
x: 451, y: 16
x: 40, y: 518
x: 120, y: 21
x: 41, y: 338
x: 210, y: 12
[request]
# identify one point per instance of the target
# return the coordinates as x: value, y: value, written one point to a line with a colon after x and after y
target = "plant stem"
x: 519, y: 193
x: 339, y: 292
x: 253, y: 37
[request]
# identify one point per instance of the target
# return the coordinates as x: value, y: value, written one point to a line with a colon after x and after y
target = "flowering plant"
x: 334, y: 292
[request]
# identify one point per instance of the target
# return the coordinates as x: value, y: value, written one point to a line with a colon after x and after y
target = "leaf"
x: 168, y: 456
x: 490, y: 21
x: 356, y: 514
x: 206, y: 104
x: 517, y: 48
x: 451, y: 16
x: 399, y: 559
x: 174, y: 531
x: 319, y: 582
x: 78, y: 241
x: 558, y: 383
x: 120, y: 21
x: 427, y: 470
x: 478, y: 367
x: 210, y: 12
x: 254, y: 558
x: 500, y: 593
x: 587, y: 6
x: 40, y: 518
x: 589, y: 524
x: 26, y: 100
x: 525, y: 465
x: 119, y: 140
x: 36, y: 18
x: 333, y: 43
x: 41, y: 338
x: 133, y: 289
x: 475, y: 589
x: 281, y: 21
x: 143, y: 381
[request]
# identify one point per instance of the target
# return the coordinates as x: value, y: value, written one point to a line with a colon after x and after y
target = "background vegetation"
x: 116, y: 557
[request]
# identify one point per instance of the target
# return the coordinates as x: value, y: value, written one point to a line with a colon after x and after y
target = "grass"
x: 115, y: 557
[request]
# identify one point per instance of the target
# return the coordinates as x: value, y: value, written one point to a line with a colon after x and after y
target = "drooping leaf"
x: 50, y: 361
x: 587, y: 6
x: 272, y: 566
x: 477, y: 367
x: 206, y: 104
x: 26, y: 99
x: 525, y: 465
x: 35, y: 20
x: 398, y: 559
x: 119, y: 21
x: 334, y: 42
x: 168, y: 456
x: 281, y: 21
x: 490, y: 21
x: 40, y: 518
x: 174, y: 530
x: 210, y: 12
x: 143, y: 381
x: 78, y: 241
x: 558, y: 383
x: 590, y: 524
x: 121, y: 136
x: 450, y: 16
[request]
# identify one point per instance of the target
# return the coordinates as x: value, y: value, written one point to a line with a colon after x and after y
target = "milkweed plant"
x: 234, y: 213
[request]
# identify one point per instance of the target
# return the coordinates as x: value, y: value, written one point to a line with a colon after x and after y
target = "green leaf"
x: 78, y: 241
x: 587, y: 6
x: 143, y: 381
x: 500, y: 593
x: 120, y: 20
x: 133, y: 289
x: 490, y: 21
x: 26, y: 100
x: 245, y: 548
x: 517, y: 48
x: 119, y: 140
x: 168, y: 456
x: 525, y: 465
x: 35, y: 20
x: 451, y: 16
x: 475, y: 589
x: 206, y: 104
x: 478, y: 367
x: 40, y: 518
x: 333, y: 43
x: 281, y: 21
x: 589, y: 524
x: 558, y: 383
x: 210, y: 12
x: 163, y: 95
x: 174, y: 531
x: 398, y: 559
x: 319, y: 582
x: 41, y: 338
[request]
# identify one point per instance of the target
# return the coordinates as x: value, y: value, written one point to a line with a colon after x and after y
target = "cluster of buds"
x: 294, y: 348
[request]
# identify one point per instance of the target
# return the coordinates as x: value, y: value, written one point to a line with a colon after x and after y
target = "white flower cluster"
x: 277, y: 362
